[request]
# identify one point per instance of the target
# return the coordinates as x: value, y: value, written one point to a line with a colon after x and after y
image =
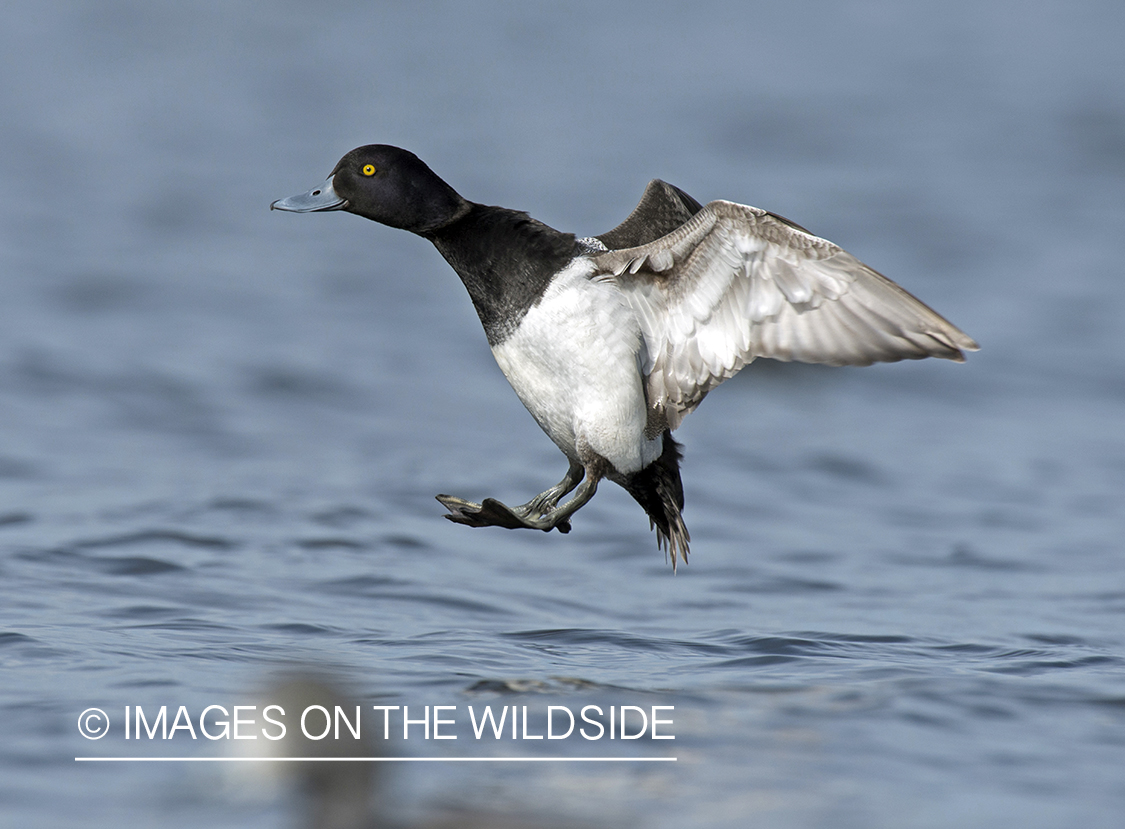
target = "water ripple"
x: 144, y: 537
x: 11, y: 638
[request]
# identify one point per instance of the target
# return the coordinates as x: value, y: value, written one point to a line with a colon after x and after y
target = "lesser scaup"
x: 611, y: 340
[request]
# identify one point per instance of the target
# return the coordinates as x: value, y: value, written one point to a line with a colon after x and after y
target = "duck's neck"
x: 506, y: 260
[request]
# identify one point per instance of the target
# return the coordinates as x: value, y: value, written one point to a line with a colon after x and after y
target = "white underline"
x: 375, y: 759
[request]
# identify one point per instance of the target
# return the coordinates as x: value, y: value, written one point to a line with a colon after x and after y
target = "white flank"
x: 575, y: 362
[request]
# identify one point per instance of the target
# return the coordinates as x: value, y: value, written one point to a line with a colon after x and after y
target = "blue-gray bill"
x: 317, y: 200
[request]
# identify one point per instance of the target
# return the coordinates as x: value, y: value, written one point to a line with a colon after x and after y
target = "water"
x: 222, y: 429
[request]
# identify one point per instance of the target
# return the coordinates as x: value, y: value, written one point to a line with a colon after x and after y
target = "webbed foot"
x: 492, y: 513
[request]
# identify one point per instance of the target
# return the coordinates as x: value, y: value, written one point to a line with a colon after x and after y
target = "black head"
x: 387, y: 185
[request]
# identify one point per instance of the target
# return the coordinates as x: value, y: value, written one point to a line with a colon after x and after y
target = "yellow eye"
x: 369, y: 169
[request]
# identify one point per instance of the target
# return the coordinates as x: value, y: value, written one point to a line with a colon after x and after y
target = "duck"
x: 610, y: 341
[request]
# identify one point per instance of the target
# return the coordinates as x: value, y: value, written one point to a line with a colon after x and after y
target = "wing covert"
x: 662, y: 209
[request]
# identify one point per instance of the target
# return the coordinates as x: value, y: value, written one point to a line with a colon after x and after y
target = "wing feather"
x: 734, y: 283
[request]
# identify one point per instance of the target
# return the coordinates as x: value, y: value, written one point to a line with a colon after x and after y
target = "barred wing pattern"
x: 737, y: 282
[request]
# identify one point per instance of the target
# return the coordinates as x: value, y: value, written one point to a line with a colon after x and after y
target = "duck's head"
x: 387, y: 185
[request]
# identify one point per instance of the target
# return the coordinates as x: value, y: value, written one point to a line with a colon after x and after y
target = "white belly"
x: 575, y: 363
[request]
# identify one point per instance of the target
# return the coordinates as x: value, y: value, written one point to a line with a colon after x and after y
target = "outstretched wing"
x: 737, y: 282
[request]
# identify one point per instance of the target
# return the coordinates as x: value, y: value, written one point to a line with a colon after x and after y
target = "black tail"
x: 658, y: 489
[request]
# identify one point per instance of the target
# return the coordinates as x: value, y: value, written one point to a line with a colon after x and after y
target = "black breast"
x: 506, y: 260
